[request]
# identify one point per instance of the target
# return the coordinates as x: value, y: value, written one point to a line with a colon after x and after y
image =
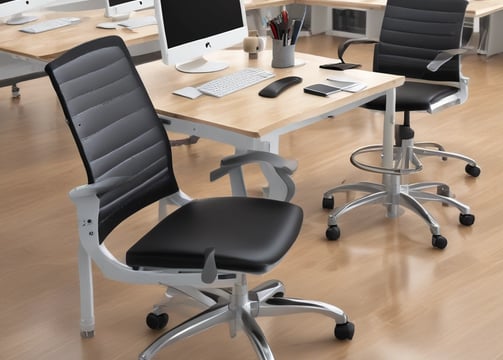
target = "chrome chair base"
x: 394, y: 193
x: 240, y: 307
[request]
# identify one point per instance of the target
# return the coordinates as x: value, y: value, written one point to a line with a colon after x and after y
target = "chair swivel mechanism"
x: 419, y: 39
x: 205, y: 248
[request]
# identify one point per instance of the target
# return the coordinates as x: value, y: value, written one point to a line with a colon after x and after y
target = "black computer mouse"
x: 278, y: 86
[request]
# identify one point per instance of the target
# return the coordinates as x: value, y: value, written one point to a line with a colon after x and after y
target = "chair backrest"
x: 115, y: 127
x: 412, y: 34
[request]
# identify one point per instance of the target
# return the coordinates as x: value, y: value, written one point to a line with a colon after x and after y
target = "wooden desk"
x: 479, y: 8
x: 50, y: 44
x: 475, y: 8
x: 250, y: 122
x: 489, y: 12
x: 23, y: 56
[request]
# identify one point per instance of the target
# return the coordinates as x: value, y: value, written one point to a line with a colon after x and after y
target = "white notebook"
x: 346, y: 84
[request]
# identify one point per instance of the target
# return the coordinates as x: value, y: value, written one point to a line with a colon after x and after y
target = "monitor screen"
x: 189, y: 29
x: 120, y: 9
x: 11, y: 11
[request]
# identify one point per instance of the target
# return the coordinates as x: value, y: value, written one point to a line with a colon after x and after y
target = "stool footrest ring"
x: 399, y: 153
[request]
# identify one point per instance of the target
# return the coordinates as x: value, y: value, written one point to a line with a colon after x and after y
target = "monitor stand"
x: 116, y: 17
x: 201, y: 65
x: 20, y: 19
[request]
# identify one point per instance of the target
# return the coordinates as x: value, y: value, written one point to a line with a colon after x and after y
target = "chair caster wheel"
x: 439, y: 241
x: 333, y: 233
x: 466, y: 219
x: 472, y: 170
x: 328, y: 203
x: 157, y: 322
x: 344, y: 331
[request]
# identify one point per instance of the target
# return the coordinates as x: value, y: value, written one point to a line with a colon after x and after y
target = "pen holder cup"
x: 283, y: 56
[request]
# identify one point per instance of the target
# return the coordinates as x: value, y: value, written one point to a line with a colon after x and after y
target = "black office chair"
x: 421, y: 40
x: 203, y: 249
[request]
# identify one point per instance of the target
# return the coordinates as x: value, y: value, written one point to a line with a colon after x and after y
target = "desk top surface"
x: 48, y: 45
x: 477, y: 8
x: 245, y: 112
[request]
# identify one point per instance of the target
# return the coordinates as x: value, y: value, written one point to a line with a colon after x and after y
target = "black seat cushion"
x: 248, y: 234
x: 414, y: 96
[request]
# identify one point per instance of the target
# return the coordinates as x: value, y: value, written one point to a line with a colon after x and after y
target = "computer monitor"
x: 12, y: 10
x: 121, y: 9
x: 189, y: 29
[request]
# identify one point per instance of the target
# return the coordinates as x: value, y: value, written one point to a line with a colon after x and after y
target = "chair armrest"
x: 279, y: 163
x: 442, y: 57
x: 345, y: 44
x: 283, y: 167
x: 98, y: 188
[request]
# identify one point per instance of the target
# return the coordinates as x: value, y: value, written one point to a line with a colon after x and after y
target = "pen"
x: 284, y: 32
x: 296, y: 24
x: 284, y: 15
x: 274, y: 29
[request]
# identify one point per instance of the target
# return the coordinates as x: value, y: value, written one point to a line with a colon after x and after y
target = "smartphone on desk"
x: 321, y: 89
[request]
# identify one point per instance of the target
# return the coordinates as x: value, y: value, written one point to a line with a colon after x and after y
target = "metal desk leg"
x: 391, y: 182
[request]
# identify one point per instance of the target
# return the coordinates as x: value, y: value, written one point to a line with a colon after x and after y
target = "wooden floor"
x: 407, y: 300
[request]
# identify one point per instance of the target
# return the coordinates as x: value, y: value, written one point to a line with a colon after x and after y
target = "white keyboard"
x: 233, y: 82
x: 138, y: 21
x: 50, y: 24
